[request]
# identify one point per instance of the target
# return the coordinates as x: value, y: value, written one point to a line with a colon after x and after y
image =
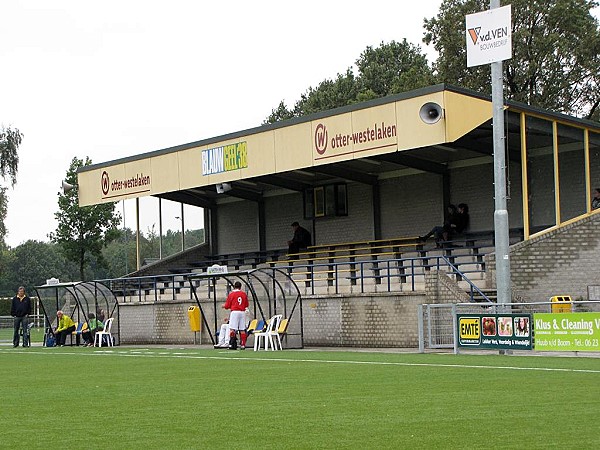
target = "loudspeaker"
x: 66, y: 187
x: 223, y: 187
x: 431, y: 113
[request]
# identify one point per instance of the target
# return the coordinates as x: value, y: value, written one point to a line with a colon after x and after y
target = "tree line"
x: 33, y: 262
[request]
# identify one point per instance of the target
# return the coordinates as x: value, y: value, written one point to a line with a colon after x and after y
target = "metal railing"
x: 388, y: 275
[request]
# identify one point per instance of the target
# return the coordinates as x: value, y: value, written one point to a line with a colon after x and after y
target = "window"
x: 326, y: 201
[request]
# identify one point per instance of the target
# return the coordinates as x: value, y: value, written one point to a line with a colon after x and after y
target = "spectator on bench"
x: 456, y: 222
x: 223, y: 334
x: 301, y: 239
x: 65, y: 327
x: 596, y: 199
x: 94, y: 325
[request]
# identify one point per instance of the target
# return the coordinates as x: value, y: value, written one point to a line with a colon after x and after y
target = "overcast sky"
x: 121, y: 77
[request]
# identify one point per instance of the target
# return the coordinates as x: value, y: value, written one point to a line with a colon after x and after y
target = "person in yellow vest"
x: 65, y: 327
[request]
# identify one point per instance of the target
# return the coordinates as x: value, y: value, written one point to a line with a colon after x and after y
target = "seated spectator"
x: 94, y: 325
x: 596, y: 199
x: 457, y: 221
x: 301, y: 239
x: 65, y: 327
x: 462, y: 219
x: 223, y: 334
x: 442, y: 232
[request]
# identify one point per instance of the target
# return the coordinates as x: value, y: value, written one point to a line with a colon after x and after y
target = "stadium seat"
x: 81, y: 327
x: 106, y: 332
x: 252, y: 326
x: 272, y: 327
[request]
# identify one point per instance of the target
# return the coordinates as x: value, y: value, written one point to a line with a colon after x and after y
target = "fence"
x: 7, y: 327
x: 437, y: 322
x: 385, y: 275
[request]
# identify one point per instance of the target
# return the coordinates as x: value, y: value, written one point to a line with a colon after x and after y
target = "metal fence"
x: 382, y: 275
x: 437, y: 322
x: 7, y: 326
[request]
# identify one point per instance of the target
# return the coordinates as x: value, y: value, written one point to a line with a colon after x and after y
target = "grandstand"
x: 366, y: 180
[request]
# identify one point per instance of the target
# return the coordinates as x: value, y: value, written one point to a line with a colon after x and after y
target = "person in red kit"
x: 237, y: 302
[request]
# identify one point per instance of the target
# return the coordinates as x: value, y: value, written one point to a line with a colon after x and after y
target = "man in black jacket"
x: 301, y: 239
x: 21, y: 309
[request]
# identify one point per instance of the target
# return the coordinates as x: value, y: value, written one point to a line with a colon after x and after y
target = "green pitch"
x: 134, y: 398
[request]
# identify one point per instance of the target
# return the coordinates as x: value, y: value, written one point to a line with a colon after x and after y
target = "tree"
x: 31, y: 264
x: 392, y: 68
x: 10, y: 140
x: 556, y: 53
x: 82, y: 232
x: 388, y: 69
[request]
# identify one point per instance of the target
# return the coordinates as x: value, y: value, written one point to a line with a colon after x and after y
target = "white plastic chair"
x: 268, y: 334
x: 280, y: 331
x: 106, y: 332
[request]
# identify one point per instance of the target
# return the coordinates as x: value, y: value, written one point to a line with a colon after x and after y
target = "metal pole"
x: 182, y: 230
x: 160, y: 231
x: 500, y: 213
x: 137, y: 234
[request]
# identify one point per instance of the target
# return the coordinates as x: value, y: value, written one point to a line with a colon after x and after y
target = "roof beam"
x: 188, y: 198
x: 412, y: 162
x: 283, y: 182
x: 340, y: 171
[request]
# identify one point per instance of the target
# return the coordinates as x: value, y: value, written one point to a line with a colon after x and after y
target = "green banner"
x: 571, y: 332
x: 494, y: 331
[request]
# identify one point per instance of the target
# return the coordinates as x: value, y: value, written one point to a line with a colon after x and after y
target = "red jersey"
x: 237, y: 300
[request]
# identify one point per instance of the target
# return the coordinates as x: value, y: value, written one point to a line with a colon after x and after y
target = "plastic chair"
x: 281, y: 330
x: 268, y: 334
x: 106, y: 332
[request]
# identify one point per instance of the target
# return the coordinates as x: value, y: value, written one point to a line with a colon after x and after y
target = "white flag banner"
x: 489, y: 36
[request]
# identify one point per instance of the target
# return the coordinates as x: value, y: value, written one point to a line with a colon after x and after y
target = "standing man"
x: 65, y: 327
x: 301, y: 239
x: 237, y: 302
x: 20, y: 309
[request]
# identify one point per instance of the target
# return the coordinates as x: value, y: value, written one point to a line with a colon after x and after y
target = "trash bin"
x: 194, y: 318
x: 561, y: 304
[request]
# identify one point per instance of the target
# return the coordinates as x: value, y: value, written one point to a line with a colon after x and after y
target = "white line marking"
x: 235, y: 357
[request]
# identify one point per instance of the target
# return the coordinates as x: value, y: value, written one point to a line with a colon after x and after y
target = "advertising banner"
x: 575, y: 332
x: 489, y: 36
x: 494, y: 331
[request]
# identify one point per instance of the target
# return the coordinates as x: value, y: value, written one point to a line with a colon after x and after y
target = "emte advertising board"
x: 561, y: 332
x: 494, y: 331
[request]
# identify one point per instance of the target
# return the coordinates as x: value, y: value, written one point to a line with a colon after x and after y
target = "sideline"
x: 147, y: 353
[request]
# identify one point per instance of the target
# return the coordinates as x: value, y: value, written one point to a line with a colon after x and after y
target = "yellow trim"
x: 524, y: 190
x: 588, y: 183
x: 556, y: 173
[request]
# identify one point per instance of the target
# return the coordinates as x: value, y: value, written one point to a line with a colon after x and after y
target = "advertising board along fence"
x: 511, y: 326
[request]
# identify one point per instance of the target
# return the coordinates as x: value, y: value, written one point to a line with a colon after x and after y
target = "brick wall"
x: 237, y: 222
x: 280, y: 212
x: 410, y: 205
x: 362, y: 320
x: 350, y: 321
x: 560, y: 262
x: 356, y: 226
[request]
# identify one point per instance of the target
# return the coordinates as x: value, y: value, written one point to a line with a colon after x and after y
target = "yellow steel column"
x: 588, y: 183
x: 524, y: 187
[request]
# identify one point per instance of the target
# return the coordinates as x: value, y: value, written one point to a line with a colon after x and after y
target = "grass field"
x: 159, y: 398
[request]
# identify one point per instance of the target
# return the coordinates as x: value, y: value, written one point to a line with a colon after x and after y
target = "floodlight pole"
x: 500, y: 213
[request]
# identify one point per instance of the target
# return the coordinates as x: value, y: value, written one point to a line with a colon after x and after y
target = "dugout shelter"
x: 78, y: 300
x: 270, y: 292
x: 373, y: 170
